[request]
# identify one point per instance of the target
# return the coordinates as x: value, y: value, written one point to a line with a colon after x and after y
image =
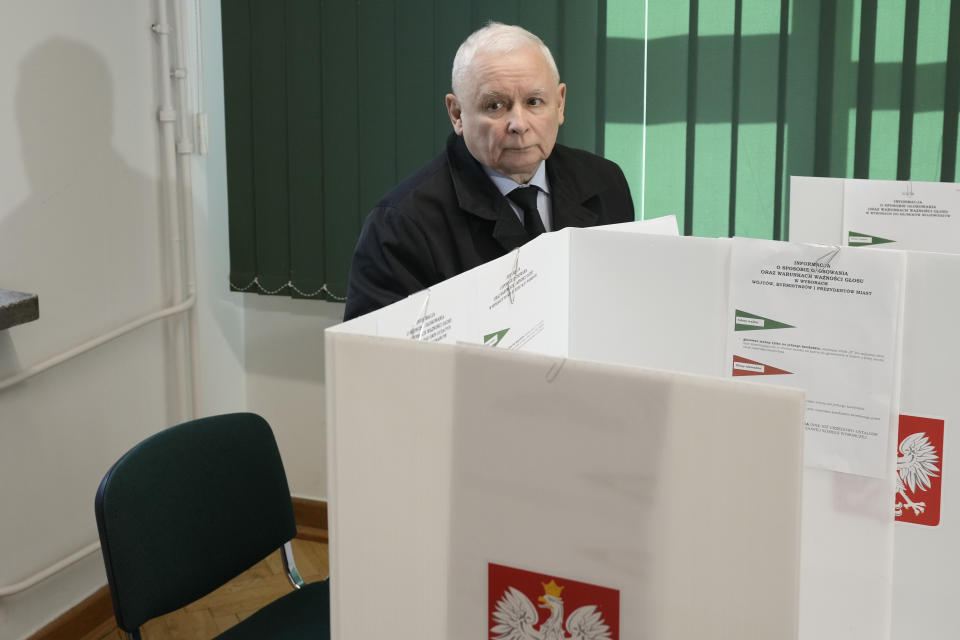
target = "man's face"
x: 510, y: 112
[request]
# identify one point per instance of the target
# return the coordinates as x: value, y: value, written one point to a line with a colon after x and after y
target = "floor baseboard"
x: 311, y: 517
x: 80, y: 620
x: 97, y: 609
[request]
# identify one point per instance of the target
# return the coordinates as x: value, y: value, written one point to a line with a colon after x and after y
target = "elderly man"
x: 501, y: 181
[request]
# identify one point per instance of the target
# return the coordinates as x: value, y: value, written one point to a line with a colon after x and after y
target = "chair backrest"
x: 188, y: 509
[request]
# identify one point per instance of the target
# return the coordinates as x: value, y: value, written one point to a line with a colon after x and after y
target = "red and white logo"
x: 524, y: 605
x: 919, y: 466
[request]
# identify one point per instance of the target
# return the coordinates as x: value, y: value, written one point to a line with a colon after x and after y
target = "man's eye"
x: 493, y: 106
x: 535, y: 102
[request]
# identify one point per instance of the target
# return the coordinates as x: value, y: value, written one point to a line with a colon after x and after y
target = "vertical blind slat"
x: 843, y: 127
x: 951, y: 98
x: 865, y: 69
x: 341, y: 151
x: 578, y: 52
x: 418, y: 106
x: 825, y: 56
x: 888, y: 58
x: 622, y: 128
x: 235, y: 19
x: 711, y: 161
x: 270, y: 185
x: 781, y: 220
x: 377, y: 44
x: 905, y: 137
x: 932, y: 44
x: 756, y: 132
x: 691, y: 128
x: 304, y: 144
x: 454, y: 18
x: 668, y: 65
x: 737, y: 66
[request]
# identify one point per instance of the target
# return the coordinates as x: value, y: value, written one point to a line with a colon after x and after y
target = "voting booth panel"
x: 649, y: 300
x: 926, y: 563
x: 519, y: 301
x: 441, y: 417
x: 389, y: 408
x: 926, y: 559
x: 475, y: 471
x: 660, y: 301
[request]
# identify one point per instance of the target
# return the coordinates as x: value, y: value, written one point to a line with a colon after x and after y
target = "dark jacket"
x: 449, y: 217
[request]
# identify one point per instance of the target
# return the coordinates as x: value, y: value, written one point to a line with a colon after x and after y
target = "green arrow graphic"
x: 493, y: 339
x: 855, y: 239
x: 744, y: 321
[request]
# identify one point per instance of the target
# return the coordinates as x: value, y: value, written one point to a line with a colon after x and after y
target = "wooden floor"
x: 232, y: 602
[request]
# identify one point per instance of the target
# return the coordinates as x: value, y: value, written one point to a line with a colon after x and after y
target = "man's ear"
x: 563, y: 99
x: 454, y: 111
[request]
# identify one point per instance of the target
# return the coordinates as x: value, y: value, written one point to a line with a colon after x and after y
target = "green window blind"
x: 712, y: 105
x: 330, y: 103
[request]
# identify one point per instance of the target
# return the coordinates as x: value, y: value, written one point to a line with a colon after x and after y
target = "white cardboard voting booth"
x: 681, y: 491
x: 926, y: 567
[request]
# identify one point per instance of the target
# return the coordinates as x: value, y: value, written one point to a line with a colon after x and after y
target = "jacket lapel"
x: 567, y: 198
x: 477, y: 194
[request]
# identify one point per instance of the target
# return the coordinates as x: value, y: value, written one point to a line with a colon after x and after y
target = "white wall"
x: 285, y: 382
x: 82, y: 223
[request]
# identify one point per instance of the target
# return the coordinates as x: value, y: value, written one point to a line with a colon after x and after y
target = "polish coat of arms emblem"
x: 526, y: 605
x: 919, y: 465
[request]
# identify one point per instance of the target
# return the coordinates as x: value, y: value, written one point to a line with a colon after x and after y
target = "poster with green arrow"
x: 900, y: 214
x: 825, y: 320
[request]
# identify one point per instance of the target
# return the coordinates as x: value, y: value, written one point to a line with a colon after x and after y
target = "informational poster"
x: 438, y: 314
x: 517, y: 301
x: 825, y: 320
x: 902, y: 215
x: 521, y: 297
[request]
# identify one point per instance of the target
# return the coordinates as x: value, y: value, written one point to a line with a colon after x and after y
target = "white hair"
x: 498, y: 38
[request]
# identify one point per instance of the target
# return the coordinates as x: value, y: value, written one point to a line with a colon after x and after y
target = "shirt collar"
x: 505, y: 185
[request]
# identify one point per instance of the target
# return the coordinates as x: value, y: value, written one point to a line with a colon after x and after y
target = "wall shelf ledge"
x: 17, y: 308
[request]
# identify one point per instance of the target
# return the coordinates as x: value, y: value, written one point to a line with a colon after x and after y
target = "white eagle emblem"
x: 916, y: 464
x: 515, y: 617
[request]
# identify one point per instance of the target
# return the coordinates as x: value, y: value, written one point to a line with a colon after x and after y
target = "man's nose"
x: 517, y: 120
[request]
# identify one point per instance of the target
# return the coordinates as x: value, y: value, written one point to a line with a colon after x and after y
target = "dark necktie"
x: 526, y: 199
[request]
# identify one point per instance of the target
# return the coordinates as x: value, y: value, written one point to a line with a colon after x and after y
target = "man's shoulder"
x: 583, y: 172
x: 431, y: 180
x: 578, y: 161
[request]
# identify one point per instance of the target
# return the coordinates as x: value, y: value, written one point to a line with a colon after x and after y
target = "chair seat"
x: 301, y: 614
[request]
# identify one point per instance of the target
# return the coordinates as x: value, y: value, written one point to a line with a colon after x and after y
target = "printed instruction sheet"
x: 824, y: 319
x: 902, y: 215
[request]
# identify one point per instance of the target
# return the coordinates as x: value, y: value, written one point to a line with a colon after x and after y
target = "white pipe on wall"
x: 184, y: 148
x: 167, y: 116
x: 166, y: 312
x: 57, y: 567
x: 178, y: 193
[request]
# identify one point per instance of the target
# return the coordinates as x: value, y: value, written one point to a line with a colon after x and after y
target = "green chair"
x: 192, y: 507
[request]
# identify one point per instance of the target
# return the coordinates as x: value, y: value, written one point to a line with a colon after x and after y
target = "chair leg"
x: 293, y: 574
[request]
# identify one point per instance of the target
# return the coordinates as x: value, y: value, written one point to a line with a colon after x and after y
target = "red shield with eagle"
x: 919, y: 467
x: 525, y: 605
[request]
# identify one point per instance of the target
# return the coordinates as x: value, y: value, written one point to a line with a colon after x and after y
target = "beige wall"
x: 83, y: 223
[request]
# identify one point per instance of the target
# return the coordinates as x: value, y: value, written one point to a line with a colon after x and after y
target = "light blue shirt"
x: 539, y: 179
